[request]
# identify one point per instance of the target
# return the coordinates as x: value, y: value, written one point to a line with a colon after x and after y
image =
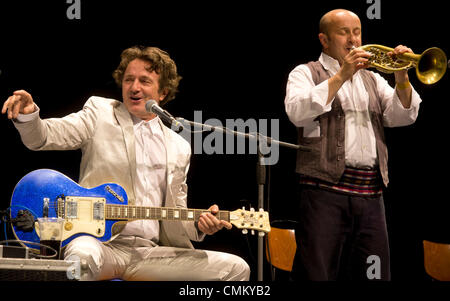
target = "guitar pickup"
x: 71, y: 209
x: 98, y: 211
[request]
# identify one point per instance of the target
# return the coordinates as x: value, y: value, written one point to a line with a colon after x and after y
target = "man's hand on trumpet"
x: 402, y: 85
x: 355, y: 60
x: 402, y: 75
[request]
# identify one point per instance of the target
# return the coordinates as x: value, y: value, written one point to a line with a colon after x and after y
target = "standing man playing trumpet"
x: 340, y: 110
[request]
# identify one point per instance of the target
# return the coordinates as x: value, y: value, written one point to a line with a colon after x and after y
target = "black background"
x: 234, y: 58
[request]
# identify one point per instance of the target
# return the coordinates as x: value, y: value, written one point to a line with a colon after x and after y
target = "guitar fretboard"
x: 127, y: 212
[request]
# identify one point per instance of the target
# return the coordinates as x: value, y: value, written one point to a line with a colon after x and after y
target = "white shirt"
x: 150, y: 185
x: 305, y: 101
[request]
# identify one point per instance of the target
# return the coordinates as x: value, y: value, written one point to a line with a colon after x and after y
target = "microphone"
x: 152, y: 106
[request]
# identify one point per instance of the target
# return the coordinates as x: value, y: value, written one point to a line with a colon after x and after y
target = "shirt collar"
x: 152, y: 124
x: 329, y: 63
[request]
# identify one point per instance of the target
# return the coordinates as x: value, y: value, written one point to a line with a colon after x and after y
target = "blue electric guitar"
x: 95, y: 211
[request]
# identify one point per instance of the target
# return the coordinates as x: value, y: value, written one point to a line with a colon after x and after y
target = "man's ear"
x: 163, y: 94
x: 323, y: 38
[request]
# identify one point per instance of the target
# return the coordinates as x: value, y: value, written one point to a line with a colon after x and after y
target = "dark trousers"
x: 337, y: 235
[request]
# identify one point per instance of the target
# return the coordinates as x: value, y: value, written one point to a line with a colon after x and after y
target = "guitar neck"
x: 128, y: 212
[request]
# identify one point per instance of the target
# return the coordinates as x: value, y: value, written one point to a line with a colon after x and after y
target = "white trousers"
x: 136, y: 259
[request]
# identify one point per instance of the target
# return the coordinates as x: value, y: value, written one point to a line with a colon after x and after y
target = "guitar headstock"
x: 251, y: 219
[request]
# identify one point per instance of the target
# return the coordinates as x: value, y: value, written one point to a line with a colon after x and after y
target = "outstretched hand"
x: 20, y: 102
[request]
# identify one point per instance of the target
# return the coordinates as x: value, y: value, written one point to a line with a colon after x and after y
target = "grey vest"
x: 326, y: 160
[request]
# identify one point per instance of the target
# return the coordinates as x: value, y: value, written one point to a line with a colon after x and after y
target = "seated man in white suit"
x: 123, y: 143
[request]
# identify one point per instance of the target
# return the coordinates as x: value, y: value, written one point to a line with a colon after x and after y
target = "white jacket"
x: 103, y: 130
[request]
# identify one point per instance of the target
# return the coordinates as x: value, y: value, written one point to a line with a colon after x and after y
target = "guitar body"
x: 81, y: 208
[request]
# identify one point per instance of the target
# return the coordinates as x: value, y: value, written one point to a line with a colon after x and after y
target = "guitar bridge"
x: 60, y: 200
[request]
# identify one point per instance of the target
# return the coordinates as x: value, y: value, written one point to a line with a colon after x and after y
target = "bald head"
x: 333, y: 17
x: 340, y: 31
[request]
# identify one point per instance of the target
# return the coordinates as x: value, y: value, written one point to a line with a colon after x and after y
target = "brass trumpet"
x: 430, y: 66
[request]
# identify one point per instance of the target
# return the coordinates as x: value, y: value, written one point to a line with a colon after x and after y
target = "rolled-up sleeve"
x: 394, y: 114
x: 304, y: 100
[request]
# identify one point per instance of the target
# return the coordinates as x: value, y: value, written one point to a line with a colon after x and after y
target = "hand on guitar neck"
x: 209, y: 224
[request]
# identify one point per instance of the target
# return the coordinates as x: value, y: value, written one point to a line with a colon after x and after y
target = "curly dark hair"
x: 160, y: 62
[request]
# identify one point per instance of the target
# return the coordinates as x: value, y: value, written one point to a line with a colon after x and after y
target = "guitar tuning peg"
x: 261, y: 234
x: 261, y: 212
x: 253, y: 232
x: 245, y: 231
x: 252, y: 211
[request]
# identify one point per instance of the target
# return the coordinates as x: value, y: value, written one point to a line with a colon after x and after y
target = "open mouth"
x: 135, y: 98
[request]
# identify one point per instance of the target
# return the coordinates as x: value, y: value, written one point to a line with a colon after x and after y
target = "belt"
x: 354, y: 181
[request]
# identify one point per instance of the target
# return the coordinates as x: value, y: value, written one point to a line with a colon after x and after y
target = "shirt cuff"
x: 319, y: 97
x: 415, y: 100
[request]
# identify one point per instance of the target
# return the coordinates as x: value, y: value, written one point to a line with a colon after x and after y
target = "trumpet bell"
x: 432, y: 66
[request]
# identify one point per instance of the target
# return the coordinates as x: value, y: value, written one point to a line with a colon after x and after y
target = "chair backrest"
x: 281, y: 248
x: 437, y: 260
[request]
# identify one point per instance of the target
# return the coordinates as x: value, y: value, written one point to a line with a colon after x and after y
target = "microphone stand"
x: 245, y: 135
x: 261, y: 171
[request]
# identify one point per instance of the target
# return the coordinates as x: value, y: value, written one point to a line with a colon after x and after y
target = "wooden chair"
x: 437, y: 260
x: 281, y: 248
